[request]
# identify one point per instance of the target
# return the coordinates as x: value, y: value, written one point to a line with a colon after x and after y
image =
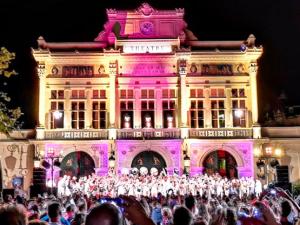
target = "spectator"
x: 156, y: 214
x: 182, y: 216
x: 104, y: 214
x: 54, y: 215
x: 12, y: 215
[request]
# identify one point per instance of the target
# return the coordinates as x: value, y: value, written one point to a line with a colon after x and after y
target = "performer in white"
x: 258, y: 187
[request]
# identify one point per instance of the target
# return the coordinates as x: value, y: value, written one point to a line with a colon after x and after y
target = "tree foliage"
x: 5, y: 59
x: 8, y: 117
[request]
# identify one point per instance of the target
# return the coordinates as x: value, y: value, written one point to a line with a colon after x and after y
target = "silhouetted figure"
x: 12, y: 215
x: 182, y: 216
x: 105, y: 214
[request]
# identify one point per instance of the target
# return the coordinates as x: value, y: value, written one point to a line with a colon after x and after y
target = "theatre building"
x: 145, y: 94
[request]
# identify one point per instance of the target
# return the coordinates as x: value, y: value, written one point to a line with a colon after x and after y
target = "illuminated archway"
x: 149, y: 159
x: 77, y: 164
x: 221, y: 162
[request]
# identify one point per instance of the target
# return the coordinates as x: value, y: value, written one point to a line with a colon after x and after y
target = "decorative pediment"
x: 145, y: 9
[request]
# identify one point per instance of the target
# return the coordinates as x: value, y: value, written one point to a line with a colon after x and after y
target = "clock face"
x: 147, y: 28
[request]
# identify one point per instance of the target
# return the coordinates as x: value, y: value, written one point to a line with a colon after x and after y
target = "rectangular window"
x: 126, y: 94
x: 238, y: 93
x: 99, y: 94
x: 57, y: 94
x: 239, y: 112
x: 99, y: 115
x: 217, y: 92
x: 218, y: 113
x: 78, y: 94
x: 147, y: 93
x: 56, y: 115
x: 169, y: 117
x: 78, y: 114
x: 196, y: 114
x: 126, y: 109
x: 196, y: 93
x: 168, y: 93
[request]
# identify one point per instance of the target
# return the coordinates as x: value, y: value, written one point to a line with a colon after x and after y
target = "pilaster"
x: 112, y: 99
x: 228, y: 108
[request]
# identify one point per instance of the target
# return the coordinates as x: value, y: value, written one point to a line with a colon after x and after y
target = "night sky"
x: 276, y: 25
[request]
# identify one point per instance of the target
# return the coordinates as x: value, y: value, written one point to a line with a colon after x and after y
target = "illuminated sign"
x: 149, y: 47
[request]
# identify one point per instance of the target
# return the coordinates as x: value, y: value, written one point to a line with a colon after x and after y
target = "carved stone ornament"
x: 41, y: 70
x: 182, y: 66
x: 101, y: 69
x: 113, y: 67
x: 241, y: 68
x: 11, y: 160
x: 54, y: 70
x: 145, y: 9
x: 193, y: 68
x: 253, y: 67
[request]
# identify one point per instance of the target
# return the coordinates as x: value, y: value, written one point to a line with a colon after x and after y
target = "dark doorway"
x: 149, y: 159
x: 221, y: 162
x: 77, y: 164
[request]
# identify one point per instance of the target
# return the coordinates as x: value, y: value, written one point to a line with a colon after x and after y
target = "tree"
x: 8, y: 117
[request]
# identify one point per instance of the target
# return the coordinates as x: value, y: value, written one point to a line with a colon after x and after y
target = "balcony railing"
x: 76, y: 134
x: 148, y: 133
x: 221, y: 133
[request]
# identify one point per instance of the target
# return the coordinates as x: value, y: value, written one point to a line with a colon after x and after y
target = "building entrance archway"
x: 77, y: 164
x: 149, y: 160
x: 221, y: 162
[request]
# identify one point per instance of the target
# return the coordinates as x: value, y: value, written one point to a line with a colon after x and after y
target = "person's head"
x: 7, y: 198
x: 285, y: 209
x: 54, y: 211
x: 190, y: 202
x: 182, y: 216
x: 78, y: 219
x: 37, y: 222
x: 230, y: 217
x: 106, y: 213
x: 13, y: 215
x: 82, y: 206
x: 166, y: 212
x: 70, y: 210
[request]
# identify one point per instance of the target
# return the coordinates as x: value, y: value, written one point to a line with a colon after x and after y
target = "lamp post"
x: 186, y: 163
x: 112, y: 159
x: 186, y: 159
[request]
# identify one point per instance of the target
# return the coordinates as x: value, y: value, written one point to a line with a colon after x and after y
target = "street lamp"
x: 186, y: 159
x: 238, y: 113
x: 112, y: 161
x: 57, y: 114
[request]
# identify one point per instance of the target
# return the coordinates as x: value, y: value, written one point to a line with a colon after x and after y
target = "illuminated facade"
x: 147, y: 84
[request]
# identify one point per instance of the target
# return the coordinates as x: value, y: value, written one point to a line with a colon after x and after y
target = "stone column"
x: 42, y: 100
x: 112, y: 99
x: 254, y: 106
x: 183, y: 98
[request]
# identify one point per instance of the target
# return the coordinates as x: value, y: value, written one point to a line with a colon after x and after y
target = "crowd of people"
x: 150, y: 185
x: 177, y: 200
